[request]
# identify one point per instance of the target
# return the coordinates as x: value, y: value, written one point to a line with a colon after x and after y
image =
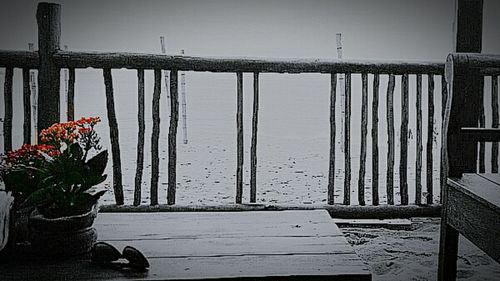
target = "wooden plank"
x: 476, y: 221
x: 155, y: 138
x: 347, y: 141
x: 20, y: 59
x: 239, y: 64
x: 375, y: 171
x: 140, y: 137
x: 390, y: 140
x: 430, y: 138
x: 239, y: 137
x: 442, y: 168
x: 253, y: 152
x: 403, y: 161
x: 48, y: 17
x: 281, y: 267
x: 331, y: 168
x: 7, y: 119
x: 494, y: 112
x: 71, y: 95
x: 114, y: 137
x: 237, y: 246
x: 172, y: 137
x: 484, y: 188
x: 364, y: 132
x: 418, y: 164
x: 26, y: 106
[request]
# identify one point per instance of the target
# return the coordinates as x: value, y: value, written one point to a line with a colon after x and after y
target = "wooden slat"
x: 239, y: 64
x: 347, y: 141
x: 364, y: 132
x: 155, y: 138
x: 418, y: 164
x: 375, y: 101
x: 253, y: 153
x: 7, y: 120
x: 494, y: 112
x: 26, y: 106
x: 390, y: 140
x: 331, y: 169
x: 114, y: 136
x: 442, y: 168
x: 430, y: 138
x: 403, y: 139
x: 172, y: 137
x: 239, y: 137
x: 71, y: 94
x: 482, y: 124
x: 140, y: 137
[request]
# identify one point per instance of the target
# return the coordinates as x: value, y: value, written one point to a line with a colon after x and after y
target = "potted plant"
x: 68, y: 163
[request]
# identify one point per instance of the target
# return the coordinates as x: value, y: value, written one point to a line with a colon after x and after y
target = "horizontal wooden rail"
x: 336, y: 211
x: 20, y: 59
x: 485, y: 64
x: 66, y: 59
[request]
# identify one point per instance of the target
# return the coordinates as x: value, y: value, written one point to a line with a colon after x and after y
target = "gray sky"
x: 382, y: 29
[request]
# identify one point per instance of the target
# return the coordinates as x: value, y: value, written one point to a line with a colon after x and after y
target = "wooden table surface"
x: 266, y: 245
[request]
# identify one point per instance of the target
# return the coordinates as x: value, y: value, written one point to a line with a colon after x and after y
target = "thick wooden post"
x: 460, y: 156
x: 48, y: 16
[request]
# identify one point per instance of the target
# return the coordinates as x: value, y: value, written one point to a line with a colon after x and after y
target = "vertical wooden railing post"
x: 418, y: 164
x: 331, y: 170
x: 172, y: 137
x: 155, y: 138
x: 390, y: 140
x: 376, y: 85
x: 442, y: 166
x: 430, y: 138
x: 494, y: 123
x: 364, y: 133
x: 253, y: 152
x: 403, y: 139
x: 71, y: 95
x: 7, y: 121
x: 482, y: 124
x: 114, y: 137
x: 239, y: 137
x: 49, y: 33
x: 140, y: 137
x: 347, y: 141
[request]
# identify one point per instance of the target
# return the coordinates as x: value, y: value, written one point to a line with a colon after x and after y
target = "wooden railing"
x: 49, y: 60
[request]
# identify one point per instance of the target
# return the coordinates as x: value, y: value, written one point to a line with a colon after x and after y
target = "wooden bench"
x: 471, y: 201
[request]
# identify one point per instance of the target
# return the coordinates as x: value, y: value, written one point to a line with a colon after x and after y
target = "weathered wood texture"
x: 418, y: 164
x: 336, y: 211
x: 140, y: 137
x: 331, y: 169
x: 347, y: 141
x: 49, y: 32
x: 71, y: 94
x: 172, y: 137
x: 494, y: 112
x: 7, y: 120
x: 20, y: 59
x: 239, y: 64
x: 114, y: 137
x: 390, y: 140
x: 239, y: 137
x: 482, y: 124
x: 253, y: 152
x: 26, y: 106
x: 364, y: 133
x: 403, y: 140
x: 155, y: 138
x: 217, y: 246
x: 375, y: 171
x: 430, y: 138
x: 442, y: 164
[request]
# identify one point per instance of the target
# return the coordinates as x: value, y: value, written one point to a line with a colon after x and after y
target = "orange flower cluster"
x: 68, y: 132
x: 29, y: 153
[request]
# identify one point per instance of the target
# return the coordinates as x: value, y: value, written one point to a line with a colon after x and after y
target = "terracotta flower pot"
x: 65, y: 236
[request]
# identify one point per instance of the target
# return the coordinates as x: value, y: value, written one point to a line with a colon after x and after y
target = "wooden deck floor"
x: 293, y: 245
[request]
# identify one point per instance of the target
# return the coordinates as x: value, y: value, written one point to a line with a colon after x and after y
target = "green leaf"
x: 98, y: 163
